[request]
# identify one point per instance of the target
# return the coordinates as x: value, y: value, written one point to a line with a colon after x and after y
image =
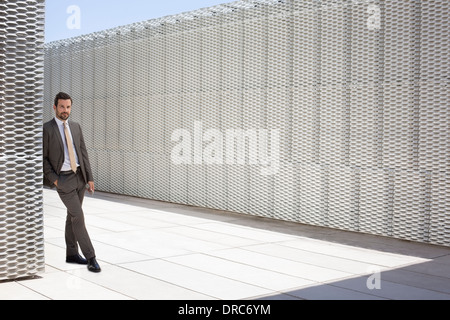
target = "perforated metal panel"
x: 357, y: 90
x: 21, y: 97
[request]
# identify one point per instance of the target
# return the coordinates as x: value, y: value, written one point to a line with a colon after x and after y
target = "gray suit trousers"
x: 71, y: 189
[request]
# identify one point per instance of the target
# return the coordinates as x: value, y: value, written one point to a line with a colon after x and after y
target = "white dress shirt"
x: 66, y: 164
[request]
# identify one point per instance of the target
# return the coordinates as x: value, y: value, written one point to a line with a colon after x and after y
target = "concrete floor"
x: 151, y: 250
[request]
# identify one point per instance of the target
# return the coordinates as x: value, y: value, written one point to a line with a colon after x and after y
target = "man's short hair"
x: 63, y: 96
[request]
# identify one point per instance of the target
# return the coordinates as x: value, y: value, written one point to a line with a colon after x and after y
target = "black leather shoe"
x: 76, y: 259
x: 93, y: 265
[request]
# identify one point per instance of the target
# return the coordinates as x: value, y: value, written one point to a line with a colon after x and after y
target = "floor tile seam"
x: 237, y: 280
x: 55, y: 228
x: 416, y: 286
x: 441, y: 256
x: 91, y: 225
x: 211, y: 273
x: 175, y: 224
x: 326, y: 283
x: 406, y: 267
x: 121, y: 248
x: 99, y: 258
x: 353, y: 245
x: 437, y: 275
x: 333, y: 283
x: 275, y: 293
x: 224, y: 246
x: 62, y: 246
x: 230, y: 234
x: 123, y: 266
x: 352, y: 277
x: 412, y: 264
x: 304, y: 263
x: 118, y: 210
x: 137, y: 252
x: 210, y: 214
x: 209, y: 230
x: 261, y: 229
x: 33, y: 290
x: 252, y: 265
x: 141, y: 205
x: 59, y: 269
x: 322, y: 283
x: 55, y: 205
x: 68, y: 273
x: 87, y: 218
x: 79, y: 276
x: 54, y: 215
x: 340, y: 257
x: 165, y: 230
x: 92, y: 211
x: 115, y: 198
x: 121, y: 196
x: 188, y: 224
x: 405, y: 249
x: 345, y: 258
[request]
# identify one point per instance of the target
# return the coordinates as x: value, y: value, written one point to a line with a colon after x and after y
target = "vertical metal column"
x: 21, y: 98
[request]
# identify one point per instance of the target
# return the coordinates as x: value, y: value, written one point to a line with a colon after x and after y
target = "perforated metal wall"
x: 21, y: 98
x: 357, y: 91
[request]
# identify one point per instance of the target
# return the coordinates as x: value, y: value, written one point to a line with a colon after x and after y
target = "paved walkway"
x: 151, y: 250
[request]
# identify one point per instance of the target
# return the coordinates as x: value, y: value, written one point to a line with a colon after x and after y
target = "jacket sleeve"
x: 49, y: 172
x: 85, y: 156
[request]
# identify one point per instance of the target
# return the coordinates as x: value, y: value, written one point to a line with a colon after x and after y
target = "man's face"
x: 62, y: 110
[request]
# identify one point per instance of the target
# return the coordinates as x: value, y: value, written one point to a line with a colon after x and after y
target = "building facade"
x: 344, y: 105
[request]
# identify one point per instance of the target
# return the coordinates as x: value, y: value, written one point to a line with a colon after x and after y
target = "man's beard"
x: 63, y: 116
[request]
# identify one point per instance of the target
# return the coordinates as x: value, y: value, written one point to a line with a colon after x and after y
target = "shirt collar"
x: 60, y: 122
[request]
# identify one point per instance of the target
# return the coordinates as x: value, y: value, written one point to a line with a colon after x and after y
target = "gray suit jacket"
x: 53, y: 152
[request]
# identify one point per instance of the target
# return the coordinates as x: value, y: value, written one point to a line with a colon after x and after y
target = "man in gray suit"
x: 66, y: 166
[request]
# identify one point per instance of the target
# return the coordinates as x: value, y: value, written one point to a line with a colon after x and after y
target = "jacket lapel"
x: 58, y: 134
x: 75, y: 140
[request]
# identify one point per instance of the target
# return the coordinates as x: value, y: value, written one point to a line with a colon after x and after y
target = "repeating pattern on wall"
x: 353, y: 94
x: 21, y: 98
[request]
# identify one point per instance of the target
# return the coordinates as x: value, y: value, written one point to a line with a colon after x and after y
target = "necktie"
x: 73, y: 164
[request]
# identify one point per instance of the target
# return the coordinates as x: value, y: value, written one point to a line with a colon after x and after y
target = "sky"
x: 70, y: 18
